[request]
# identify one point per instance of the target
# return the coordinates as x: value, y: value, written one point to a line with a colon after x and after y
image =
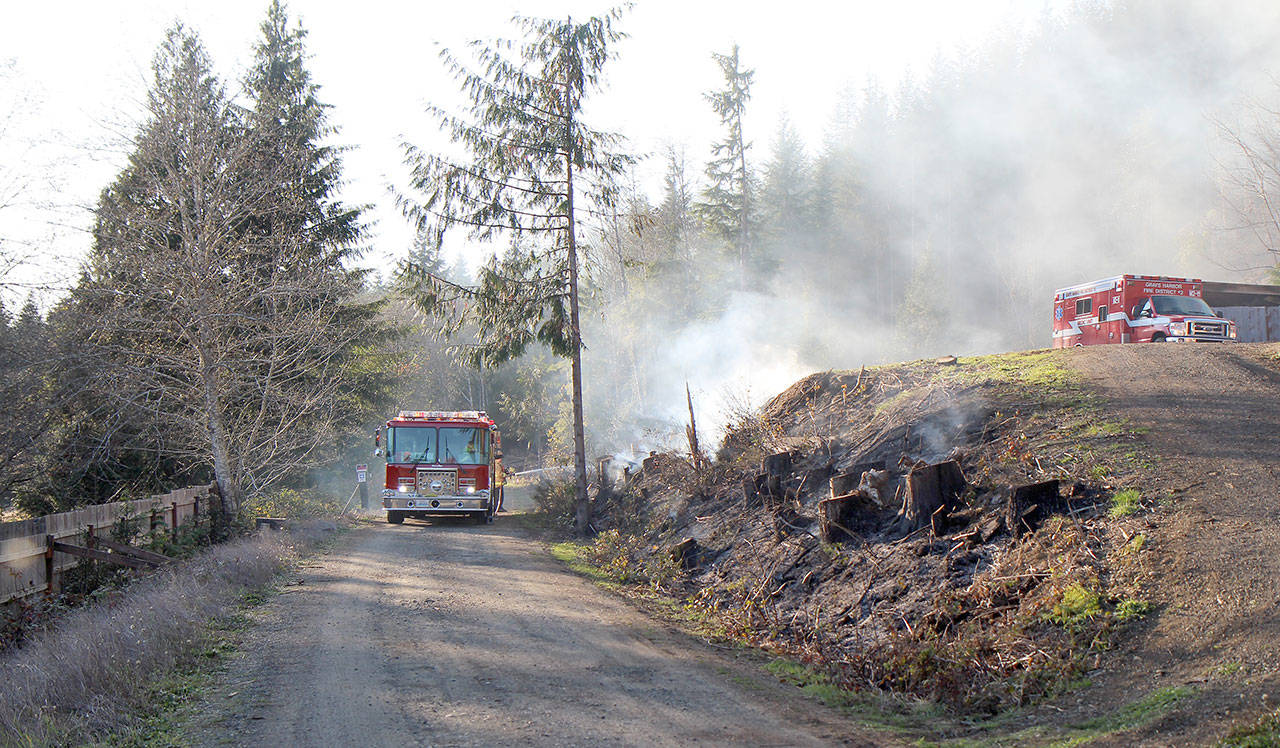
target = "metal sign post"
x: 362, y: 478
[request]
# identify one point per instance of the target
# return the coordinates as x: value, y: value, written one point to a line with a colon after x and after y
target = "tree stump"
x: 685, y: 553
x: 933, y: 492
x: 836, y: 515
x: 846, y: 482
x: 1029, y: 506
x: 777, y: 464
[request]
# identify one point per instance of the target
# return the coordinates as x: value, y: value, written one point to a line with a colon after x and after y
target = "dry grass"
x: 88, y: 677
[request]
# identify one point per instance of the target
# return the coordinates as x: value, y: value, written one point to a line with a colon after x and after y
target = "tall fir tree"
x: 307, y: 222
x: 727, y: 206
x: 531, y: 161
x: 786, y: 199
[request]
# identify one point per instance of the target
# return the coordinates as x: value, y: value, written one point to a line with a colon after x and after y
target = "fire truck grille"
x: 1209, y: 329
x: 437, y: 482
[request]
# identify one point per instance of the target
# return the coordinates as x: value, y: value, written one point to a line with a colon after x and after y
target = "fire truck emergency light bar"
x: 443, y: 415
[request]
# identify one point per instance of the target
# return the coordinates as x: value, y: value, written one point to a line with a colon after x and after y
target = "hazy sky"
x: 81, y: 71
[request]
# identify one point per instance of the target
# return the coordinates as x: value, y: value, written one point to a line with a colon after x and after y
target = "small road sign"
x: 362, y: 473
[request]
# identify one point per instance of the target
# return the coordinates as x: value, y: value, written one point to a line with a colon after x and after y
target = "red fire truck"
x: 441, y: 463
x: 1136, y: 309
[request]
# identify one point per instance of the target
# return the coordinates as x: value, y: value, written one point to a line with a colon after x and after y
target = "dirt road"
x: 1214, y: 419
x: 461, y: 635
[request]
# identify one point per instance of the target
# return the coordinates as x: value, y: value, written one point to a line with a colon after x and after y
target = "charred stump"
x: 836, y: 515
x: 846, y: 482
x: 773, y: 470
x: 1029, y: 506
x: 933, y: 493
x: 685, y: 553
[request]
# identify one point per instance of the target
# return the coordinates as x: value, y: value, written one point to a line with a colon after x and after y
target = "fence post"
x: 153, y: 518
x: 90, y: 540
x: 173, y: 527
x: 195, y: 510
x: 48, y: 564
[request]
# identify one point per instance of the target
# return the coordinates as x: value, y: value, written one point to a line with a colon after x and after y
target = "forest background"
x: 930, y: 218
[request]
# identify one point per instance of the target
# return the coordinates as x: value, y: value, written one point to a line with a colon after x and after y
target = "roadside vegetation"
x: 100, y: 671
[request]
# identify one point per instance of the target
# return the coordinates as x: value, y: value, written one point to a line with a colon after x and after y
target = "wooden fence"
x: 29, y: 564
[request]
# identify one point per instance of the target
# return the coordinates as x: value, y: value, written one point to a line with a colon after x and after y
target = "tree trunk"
x: 223, y: 474
x: 582, y: 510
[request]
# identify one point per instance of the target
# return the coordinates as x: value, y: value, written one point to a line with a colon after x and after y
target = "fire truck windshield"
x: 411, y: 444
x: 1181, y: 305
x: 464, y: 446
x: 456, y: 445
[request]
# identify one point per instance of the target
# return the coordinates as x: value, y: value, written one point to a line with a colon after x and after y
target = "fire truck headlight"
x: 468, y: 489
x: 1177, y: 328
x: 1231, y: 331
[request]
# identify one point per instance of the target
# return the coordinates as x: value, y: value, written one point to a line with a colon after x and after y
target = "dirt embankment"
x: 1163, y: 601
x: 457, y: 635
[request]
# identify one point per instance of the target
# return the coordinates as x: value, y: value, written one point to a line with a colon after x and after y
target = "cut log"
x: 933, y: 492
x: 1030, y: 505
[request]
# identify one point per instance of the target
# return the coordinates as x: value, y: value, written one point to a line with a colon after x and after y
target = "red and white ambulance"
x: 1136, y: 309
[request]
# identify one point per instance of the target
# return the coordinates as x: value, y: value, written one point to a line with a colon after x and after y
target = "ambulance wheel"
x: 395, y: 519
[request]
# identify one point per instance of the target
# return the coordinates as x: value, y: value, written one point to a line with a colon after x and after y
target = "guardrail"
x: 30, y: 559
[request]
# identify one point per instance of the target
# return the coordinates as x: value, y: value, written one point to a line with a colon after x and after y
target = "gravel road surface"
x: 453, y: 634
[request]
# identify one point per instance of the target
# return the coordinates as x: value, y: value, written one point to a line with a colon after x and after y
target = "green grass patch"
x: 1125, y: 503
x: 1226, y: 669
x: 1078, y: 605
x: 1043, y: 372
x: 1130, y: 609
x: 881, y: 711
x: 574, y: 555
x: 1140, y: 712
x: 170, y: 698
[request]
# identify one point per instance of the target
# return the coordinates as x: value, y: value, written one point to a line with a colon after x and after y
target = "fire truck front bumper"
x: 410, y: 505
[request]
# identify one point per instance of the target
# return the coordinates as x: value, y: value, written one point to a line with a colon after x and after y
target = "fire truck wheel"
x: 1157, y: 338
x: 395, y: 519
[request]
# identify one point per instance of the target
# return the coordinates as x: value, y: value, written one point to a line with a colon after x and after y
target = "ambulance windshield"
x: 1181, y: 305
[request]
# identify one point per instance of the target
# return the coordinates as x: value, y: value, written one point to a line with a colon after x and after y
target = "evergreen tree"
x: 786, y: 197
x: 727, y: 202
x: 307, y: 226
x: 532, y: 160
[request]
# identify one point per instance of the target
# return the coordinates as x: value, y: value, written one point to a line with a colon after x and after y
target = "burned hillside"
x: 937, y: 528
